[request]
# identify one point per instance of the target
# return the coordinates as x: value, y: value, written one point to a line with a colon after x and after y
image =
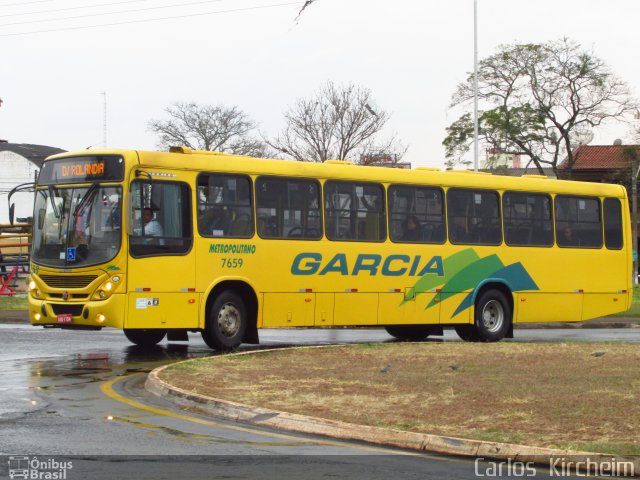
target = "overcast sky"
x: 409, y: 53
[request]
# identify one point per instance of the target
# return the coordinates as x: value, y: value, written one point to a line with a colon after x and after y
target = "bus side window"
x: 527, y: 219
x: 578, y: 222
x: 474, y: 217
x: 288, y: 208
x: 161, y: 218
x: 416, y: 214
x: 354, y: 211
x: 224, y: 206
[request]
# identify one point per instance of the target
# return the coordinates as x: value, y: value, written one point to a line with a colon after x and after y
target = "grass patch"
x: 544, y: 394
x: 17, y: 302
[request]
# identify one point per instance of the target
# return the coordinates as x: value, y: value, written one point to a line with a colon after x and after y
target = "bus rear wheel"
x: 493, y: 316
x: 492, y: 320
x: 144, y: 337
x: 411, y: 333
x: 467, y: 332
x: 227, y: 322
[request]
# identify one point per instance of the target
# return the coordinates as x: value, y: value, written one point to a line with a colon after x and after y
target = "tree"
x: 540, y: 100
x: 334, y: 123
x: 207, y: 127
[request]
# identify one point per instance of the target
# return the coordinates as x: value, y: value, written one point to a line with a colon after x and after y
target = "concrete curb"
x: 374, y: 435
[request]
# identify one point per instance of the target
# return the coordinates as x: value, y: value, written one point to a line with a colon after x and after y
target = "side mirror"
x: 41, y: 215
x: 12, y: 209
x: 129, y: 217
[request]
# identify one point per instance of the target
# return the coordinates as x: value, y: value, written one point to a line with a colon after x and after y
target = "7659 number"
x: 231, y: 262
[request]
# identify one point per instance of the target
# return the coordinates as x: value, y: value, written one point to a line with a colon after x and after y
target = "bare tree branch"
x: 335, y: 123
x: 207, y: 127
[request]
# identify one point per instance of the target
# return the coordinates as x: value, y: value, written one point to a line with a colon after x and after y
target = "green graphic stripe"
x: 515, y: 276
x: 469, y: 277
x: 451, y: 265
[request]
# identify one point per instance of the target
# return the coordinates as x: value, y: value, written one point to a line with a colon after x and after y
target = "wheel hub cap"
x: 493, y: 316
x: 229, y: 320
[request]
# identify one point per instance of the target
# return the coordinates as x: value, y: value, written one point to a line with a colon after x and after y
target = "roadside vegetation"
x: 16, y: 302
x: 578, y: 396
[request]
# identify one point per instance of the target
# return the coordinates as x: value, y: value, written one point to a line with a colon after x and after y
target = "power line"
x: 146, y: 20
x: 53, y: 10
x: 110, y: 13
x: 19, y: 4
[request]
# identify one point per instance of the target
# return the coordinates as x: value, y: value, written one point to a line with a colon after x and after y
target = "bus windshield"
x: 77, y: 226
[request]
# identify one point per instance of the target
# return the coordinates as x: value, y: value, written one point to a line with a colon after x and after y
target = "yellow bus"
x: 166, y: 243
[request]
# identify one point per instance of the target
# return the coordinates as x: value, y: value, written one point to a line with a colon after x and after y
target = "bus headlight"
x: 100, y: 318
x: 105, y: 290
x: 32, y: 285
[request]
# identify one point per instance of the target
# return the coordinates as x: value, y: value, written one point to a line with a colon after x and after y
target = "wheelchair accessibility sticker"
x: 144, y: 303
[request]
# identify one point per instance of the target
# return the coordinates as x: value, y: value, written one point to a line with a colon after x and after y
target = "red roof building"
x: 600, y: 163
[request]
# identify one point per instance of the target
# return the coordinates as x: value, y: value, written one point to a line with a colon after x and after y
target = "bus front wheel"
x: 144, y: 337
x: 227, y: 322
x: 492, y: 316
x: 411, y: 333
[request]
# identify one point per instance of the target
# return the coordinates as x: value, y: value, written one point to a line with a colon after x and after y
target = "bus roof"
x: 216, y: 161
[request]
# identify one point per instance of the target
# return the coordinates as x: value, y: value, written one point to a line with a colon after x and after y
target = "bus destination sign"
x: 94, y: 168
x: 82, y: 169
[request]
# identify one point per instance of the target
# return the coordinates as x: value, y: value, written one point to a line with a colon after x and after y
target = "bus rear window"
x: 613, y: 238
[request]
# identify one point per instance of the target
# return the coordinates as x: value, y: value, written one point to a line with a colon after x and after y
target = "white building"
x: 19, y: 163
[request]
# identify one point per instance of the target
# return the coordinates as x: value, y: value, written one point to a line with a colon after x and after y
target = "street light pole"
x: 634, y: 220
x: 475, y: 85
x: 104, y: 119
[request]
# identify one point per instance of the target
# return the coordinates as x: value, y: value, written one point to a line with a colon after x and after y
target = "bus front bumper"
x: 88, y: 314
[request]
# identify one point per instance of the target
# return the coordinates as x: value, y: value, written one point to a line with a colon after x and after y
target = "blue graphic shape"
x: 515, y: 276
x: 71, y: 254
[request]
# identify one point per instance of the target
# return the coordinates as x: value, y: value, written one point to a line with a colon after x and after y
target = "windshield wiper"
x: 87, y: 198
x: 56, y: 212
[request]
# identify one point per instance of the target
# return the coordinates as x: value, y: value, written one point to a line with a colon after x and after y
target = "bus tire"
x: 144, y: 337
x: 410, y: 333
x: 227, y: 322
x: 492, y: 316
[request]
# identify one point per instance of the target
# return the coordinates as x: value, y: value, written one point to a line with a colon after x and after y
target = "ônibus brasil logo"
x: 33, y: 468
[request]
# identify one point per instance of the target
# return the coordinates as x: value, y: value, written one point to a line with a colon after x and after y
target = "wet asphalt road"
x: 80, y: 394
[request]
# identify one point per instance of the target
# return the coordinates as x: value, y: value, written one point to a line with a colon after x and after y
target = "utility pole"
x: 634, y: 219
x: 104, y: 119
x: 475, y: 85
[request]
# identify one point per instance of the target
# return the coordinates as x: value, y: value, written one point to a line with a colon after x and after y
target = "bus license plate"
x: 65, y: 318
